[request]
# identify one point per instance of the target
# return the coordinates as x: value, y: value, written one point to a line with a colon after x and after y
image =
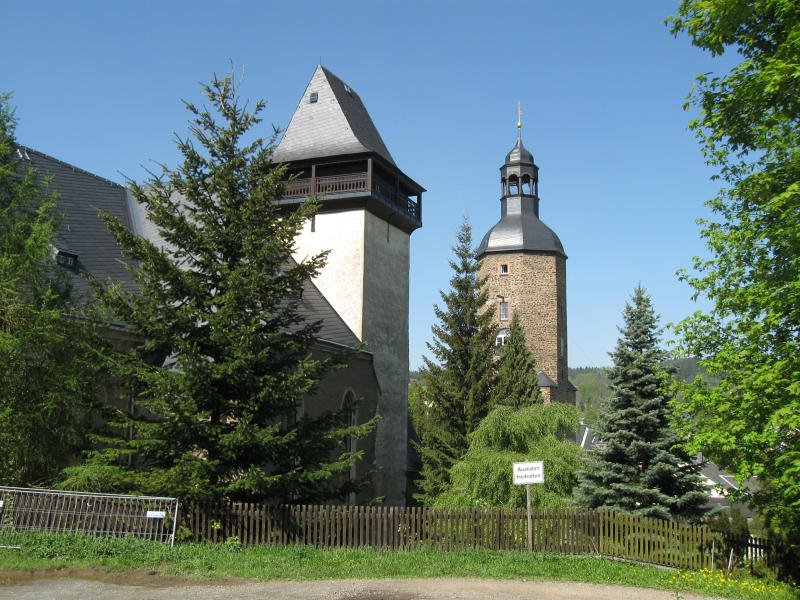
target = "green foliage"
x: 639, y: 468
x: 457, y: 382
x: 483, y: 476
x: 516, y: 379
x: 226, y: 360
x: 749, y: 128
x: 49, y: 554
x: 593, y: 391
x: 47, y: 371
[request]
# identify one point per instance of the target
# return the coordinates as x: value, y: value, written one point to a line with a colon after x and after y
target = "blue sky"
x: 602, y: 84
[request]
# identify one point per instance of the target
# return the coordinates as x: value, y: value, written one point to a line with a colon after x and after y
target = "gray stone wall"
x: 385, y: 331
x: 535, y: 287
x: 358, y: 378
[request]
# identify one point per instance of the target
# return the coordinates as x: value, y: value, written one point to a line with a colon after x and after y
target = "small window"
x: 501, y: 337
x: 68, y: 260
x: 504, y: 311
x: 312, y: 99
x: 504, y: 269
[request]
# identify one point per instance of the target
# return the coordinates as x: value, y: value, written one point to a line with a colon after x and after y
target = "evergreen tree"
x: 517, y: 379
x: 47, y: 370
x: 639, y: 468
x: 227, y: 358
x: 455, y: 394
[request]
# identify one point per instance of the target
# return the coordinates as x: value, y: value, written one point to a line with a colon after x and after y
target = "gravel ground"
x: 88, y: 586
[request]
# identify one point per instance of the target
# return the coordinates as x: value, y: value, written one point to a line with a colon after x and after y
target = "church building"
x: 525, y: 268
x: 368, y: 210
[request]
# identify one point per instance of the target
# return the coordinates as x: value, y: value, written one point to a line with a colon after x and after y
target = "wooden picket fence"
x: 565, y: 531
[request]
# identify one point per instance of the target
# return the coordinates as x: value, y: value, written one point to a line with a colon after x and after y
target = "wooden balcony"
x: 352, y: 183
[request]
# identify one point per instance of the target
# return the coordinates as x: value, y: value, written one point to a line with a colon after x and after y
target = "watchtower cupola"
x: 519, y: 176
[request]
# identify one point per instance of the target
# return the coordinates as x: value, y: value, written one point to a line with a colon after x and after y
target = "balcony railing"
x: 351, y: 183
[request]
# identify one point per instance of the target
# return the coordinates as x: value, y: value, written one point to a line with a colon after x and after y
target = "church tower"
x: 525, y: 268
x: 368, y: 210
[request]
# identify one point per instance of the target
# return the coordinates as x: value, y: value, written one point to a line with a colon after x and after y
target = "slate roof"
x: 81, y: 197
x: 519, y: 154
x: 520, y: 229
x: 336, y: 124
x: 544, y: 380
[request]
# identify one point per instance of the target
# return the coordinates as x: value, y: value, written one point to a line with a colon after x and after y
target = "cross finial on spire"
x: 519, y: 121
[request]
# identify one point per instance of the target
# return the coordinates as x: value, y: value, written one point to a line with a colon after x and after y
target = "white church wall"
x: 341, y: 281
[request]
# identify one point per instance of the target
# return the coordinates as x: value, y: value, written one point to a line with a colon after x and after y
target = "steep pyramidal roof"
x: 330, y: 120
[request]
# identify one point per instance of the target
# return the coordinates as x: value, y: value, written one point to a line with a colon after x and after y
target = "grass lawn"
x: 51, y: 552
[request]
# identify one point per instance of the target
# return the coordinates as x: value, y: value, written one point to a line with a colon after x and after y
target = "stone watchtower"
x: 368, y: 210
x: 525, y: 268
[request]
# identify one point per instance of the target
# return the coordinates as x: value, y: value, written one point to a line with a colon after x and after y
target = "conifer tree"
x: 47, y: 369
x: 457, y: 382
x: 517, y: 380
x: 227, y: 360
x: 639, y: 467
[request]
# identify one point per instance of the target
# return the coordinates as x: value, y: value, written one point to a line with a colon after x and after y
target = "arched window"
x: 501, y: 337
x: 526, y: 185
x: 513, y: 185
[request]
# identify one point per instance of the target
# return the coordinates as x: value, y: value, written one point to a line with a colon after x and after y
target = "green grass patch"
x: 220, y: 561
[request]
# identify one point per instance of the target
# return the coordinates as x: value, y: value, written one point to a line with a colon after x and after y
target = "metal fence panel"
x: 54, y: 511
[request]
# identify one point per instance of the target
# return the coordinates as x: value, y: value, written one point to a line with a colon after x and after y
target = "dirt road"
x: 158, y: 588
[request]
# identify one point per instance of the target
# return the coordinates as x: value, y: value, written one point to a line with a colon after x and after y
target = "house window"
x: 501, y: 337
x: 504, y: 310
x: 504, y: 269
x: 312, y: 99
x: 68, y: 260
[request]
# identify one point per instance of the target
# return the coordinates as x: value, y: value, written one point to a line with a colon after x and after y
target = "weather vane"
x: 519, y: 121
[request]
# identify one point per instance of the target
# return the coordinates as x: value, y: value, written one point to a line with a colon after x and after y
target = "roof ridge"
x: 71, y: 166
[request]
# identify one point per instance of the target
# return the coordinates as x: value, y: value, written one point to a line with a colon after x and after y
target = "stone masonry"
x: 535, y: 289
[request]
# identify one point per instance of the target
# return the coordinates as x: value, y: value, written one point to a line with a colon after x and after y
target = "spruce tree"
x: 48, y: 370
x: 457, y: 382
x: 639, y: 467
x: 517, y: 380
x: 227, y: 360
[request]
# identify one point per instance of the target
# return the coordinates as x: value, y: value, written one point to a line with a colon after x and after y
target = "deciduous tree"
x: 483, y: 476
x: 749, y: 337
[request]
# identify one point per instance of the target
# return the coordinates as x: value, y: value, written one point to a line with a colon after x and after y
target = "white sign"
x: 528, y: 472
x: 156, y: 514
